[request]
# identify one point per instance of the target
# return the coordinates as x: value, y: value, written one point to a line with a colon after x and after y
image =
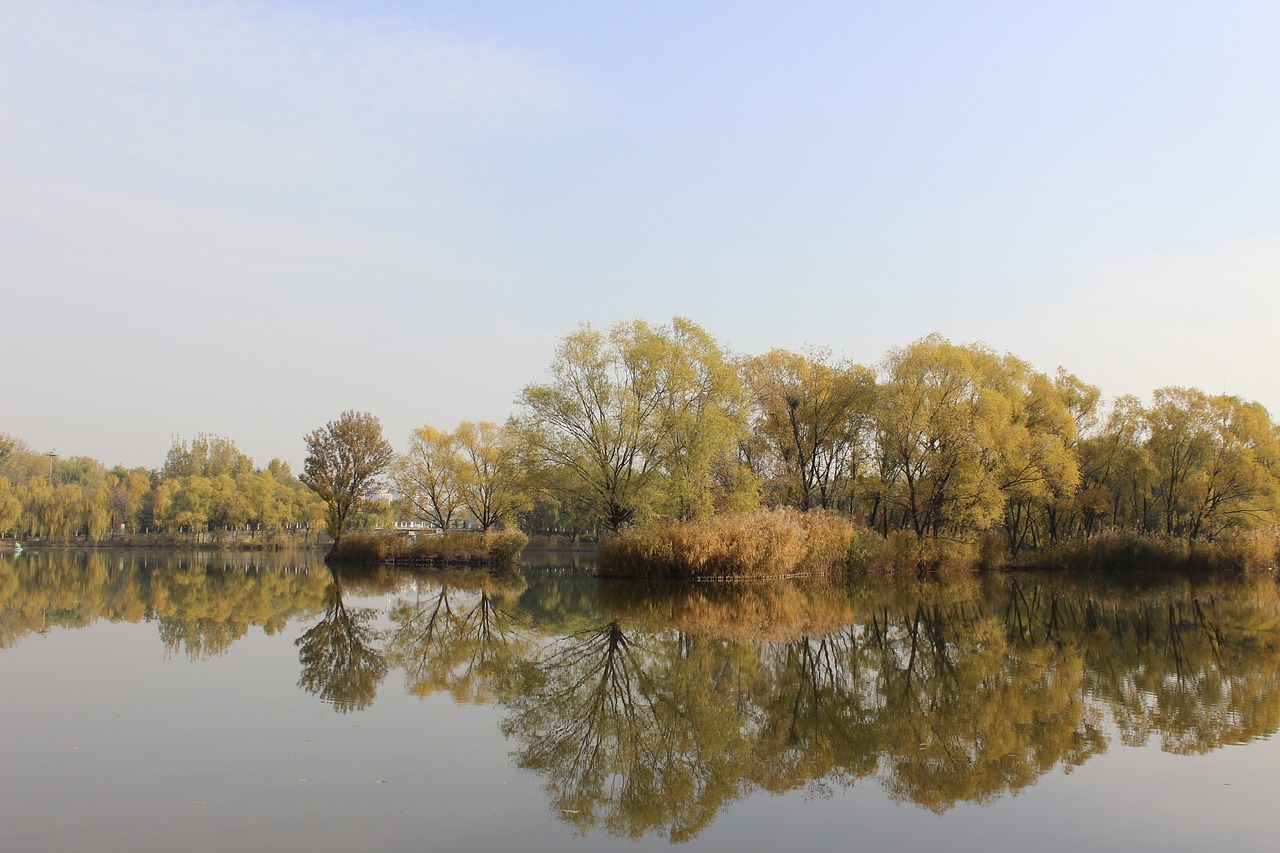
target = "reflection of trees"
x: 340, y: 657
x: 457, y: 639
x: 966, y: 716
x: 814, y: 726
x: 200, y: 603
x: 682, y: 699
x: 561, y: 600
x: 634, y: 738
x: 943, y: 696
x: 1196, y: 667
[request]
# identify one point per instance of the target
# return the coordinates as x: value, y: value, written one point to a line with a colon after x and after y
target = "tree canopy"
x: 345, y: 459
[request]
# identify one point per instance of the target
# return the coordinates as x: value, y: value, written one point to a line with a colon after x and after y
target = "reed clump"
x: 904, y: 552
x: 453, y: 548
x: 1122, y: 551
x: 785, y: 542
x: 769, y: 543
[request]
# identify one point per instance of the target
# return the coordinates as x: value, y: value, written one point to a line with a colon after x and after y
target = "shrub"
x: 1247, y: 551
x: 904, y: 552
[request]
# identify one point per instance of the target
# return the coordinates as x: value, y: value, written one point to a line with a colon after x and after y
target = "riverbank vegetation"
x: 452, y: 548
x: 957, y: 456
x: 681, y: 458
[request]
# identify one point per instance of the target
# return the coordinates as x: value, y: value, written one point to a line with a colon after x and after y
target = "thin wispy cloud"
x: 274, y: 108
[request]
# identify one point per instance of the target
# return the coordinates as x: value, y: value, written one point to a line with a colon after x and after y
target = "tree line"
x: 205, y: 485
x: 641, y: 423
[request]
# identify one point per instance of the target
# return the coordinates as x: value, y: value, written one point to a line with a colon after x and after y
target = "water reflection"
x: 202, y: 603
x: 341, y: 655
x: 461, y: 634
x: 648, y: 708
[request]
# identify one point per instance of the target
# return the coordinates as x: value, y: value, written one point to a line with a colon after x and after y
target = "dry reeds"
x: 454, y: 548
x: 1121, y: 551
x: 769, y: 543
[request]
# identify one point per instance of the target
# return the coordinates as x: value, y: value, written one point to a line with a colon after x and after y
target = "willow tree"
x: 1116, y: 470
x: 1215, y: 461
x: 965, y: 433
x: 1033, y: 441
x: 10, y: 507
x: 206, y: 456
x: 345, y: 459
x: 930, y: 427
x: 634, y: 418
x: 810, y: 424
x: 428, y: 477
x: 490, y: 473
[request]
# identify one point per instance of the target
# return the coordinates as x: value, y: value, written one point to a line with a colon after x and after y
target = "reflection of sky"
x: 206, y: 203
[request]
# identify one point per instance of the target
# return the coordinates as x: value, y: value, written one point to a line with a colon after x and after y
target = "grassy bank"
x: 785, y: 542
x: 455, y: 548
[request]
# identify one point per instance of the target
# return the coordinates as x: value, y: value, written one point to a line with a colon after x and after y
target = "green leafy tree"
x: 931, y: 422
x: 1116, y: 470
x: 10, y: 507
x: 205, y: 456
x: 1215, y: 461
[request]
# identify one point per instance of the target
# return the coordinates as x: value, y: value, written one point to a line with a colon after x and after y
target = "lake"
x: 181, y: 701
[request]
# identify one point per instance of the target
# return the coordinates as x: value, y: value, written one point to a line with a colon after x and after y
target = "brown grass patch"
x: 768, y: 543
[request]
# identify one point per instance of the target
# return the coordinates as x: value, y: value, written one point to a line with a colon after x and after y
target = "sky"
x: 243, y: 218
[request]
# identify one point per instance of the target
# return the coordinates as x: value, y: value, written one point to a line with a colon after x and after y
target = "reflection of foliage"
x: 944, y: 694
x: 1199, y: 667
x: 560, y: 600
x: 968, y: 718
x: 459, y: 640
x: 689, y: 697
x: 200, y: 603
x: 810, y: 730
x: 757, y: 610
x: 341, y: 662
x: 628, y: 737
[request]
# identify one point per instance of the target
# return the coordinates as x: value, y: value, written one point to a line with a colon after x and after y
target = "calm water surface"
x: 243, y: 702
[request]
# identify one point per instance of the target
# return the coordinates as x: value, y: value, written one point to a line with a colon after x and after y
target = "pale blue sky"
x: 244, y: 217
